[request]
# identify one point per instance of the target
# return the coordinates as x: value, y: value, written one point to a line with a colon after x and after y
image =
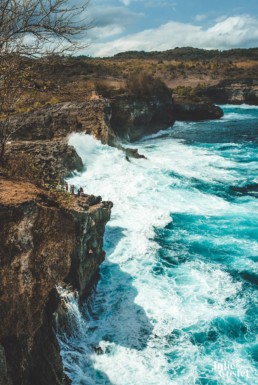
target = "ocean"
x: 176, y: 303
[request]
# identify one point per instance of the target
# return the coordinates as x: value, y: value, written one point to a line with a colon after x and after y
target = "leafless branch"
x: 41, y: 26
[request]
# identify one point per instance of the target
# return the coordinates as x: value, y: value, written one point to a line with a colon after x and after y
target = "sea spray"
x: 68, y: 319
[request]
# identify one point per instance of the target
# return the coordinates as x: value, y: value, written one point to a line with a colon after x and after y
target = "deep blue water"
x: 177, y: 300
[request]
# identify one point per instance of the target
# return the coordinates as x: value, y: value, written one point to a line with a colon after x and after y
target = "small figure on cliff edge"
x: 72, y: 189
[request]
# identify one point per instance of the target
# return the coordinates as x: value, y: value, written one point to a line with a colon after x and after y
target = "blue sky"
x: 122, y: 25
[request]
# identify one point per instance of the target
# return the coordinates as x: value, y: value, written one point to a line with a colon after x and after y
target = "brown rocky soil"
x: 16, y: 192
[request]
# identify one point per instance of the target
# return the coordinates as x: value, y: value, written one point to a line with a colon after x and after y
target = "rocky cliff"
x: 45, y: 241
x: 121, y: 117
x: 234, y: 92
x: 57, y: 121
x: 52, y: 159
x: 43, y: 133
x: 48, y: 240
x: 133, y: 117
x: 189, y: 111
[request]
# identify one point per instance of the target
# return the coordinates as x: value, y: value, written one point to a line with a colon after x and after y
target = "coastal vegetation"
x: 33, y: 28
x: 60, y: 78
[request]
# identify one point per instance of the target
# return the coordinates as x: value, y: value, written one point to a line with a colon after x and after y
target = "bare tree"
x: 40, y: 26
x: 33, y: 28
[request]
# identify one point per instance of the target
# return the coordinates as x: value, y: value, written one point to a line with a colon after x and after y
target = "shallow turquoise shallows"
x: 177, y: 299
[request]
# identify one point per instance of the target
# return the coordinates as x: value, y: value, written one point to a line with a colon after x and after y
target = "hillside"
x: 189, y: 53
x: 186, y: 71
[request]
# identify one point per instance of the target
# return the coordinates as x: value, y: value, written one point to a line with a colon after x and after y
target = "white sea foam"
x: 145, y: 193
x: 157, y: 134
x: 238, y: 106
x: 236, y: 116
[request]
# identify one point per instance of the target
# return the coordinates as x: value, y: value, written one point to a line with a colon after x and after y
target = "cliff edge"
x: 45, y: 240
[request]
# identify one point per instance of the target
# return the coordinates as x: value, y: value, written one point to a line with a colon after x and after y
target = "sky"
x: 157, y: 25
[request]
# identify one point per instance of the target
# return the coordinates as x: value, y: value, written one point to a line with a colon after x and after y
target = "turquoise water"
x: 177, y: 299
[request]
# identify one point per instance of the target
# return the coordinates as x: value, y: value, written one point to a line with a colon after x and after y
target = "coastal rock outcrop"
x: 91, y: 116
x: 54, y: 158
x: 45, y: 241
x: 233, y: 92
x: 43, y: 133
x: 132, y: 118
x: 121, y: 117
x: 189, y: 111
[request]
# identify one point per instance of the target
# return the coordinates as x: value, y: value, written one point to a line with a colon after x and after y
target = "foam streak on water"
x: 177, y: 295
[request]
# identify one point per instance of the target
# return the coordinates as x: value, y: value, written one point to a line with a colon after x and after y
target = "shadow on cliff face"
x: 110, y: 320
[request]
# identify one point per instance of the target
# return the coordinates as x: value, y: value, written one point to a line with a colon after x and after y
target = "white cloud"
x: 105, y: 31
x: 235, y: 31
x: 200, y: 17
x: 151, y: 3
x: 110, y: 21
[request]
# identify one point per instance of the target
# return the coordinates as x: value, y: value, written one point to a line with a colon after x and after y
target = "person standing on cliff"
x: 72, y: 189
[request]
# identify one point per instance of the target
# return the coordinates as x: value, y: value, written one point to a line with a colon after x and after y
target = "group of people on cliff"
x: 71, y: 189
